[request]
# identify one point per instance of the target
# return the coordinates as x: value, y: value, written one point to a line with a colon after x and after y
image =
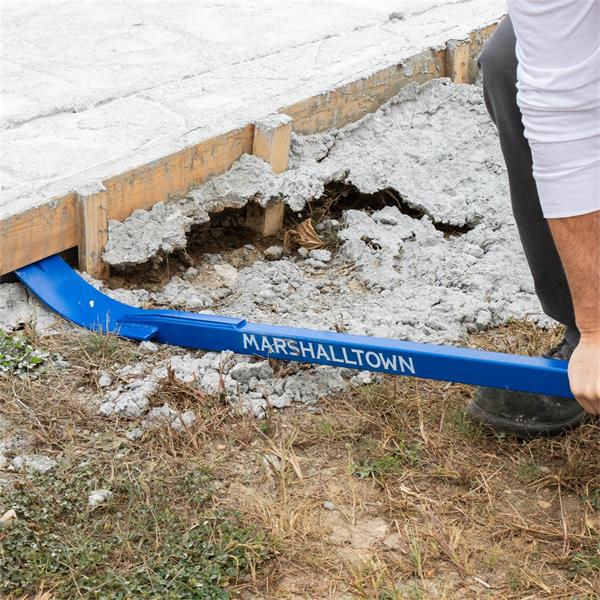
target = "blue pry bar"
x: 64, y: 291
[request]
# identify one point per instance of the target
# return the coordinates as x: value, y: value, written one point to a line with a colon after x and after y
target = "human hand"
x: 584, y: 372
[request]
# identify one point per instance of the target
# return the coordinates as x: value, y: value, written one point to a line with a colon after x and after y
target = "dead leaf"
x: 304, y: 235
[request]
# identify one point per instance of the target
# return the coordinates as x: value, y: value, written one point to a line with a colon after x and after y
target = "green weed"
x: 528, y: 471
x: 585, y: 563
x: 408, y: 454
x: 18, y: 356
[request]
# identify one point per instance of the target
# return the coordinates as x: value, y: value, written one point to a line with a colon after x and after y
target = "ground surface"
x: 90, y: 92
x: 386, y: 492
x: 143, y: 471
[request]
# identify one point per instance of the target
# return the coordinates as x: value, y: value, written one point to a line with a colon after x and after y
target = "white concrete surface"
x: 92, y: 89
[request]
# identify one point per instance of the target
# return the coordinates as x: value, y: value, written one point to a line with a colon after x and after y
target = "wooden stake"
x: 93, y: 233
x: 272, y: 138
x: 267, y: 221
x: 458, y: 61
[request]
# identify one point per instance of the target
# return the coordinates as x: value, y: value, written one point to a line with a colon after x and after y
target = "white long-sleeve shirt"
x: 558, y: 92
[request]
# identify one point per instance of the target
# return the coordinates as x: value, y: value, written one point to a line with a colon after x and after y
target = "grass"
x: 157, y: 536
x: 395, y: 462
x: 161, y: 534
x: 528, y: 471
x: 386, y: 492
x: 584, y: 563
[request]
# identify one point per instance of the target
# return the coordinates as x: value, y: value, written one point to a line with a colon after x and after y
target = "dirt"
x: 382, y: 491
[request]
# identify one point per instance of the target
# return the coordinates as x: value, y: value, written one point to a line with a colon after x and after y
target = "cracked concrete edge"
x: 59, y: 224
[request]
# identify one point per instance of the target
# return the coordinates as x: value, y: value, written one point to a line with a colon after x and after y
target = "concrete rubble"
x: 434, y: 144
x: 99, y: 497
x: 164, y: 415
x: 17, y: 454
x: 18, y: 308
x: 131, y: 401
x: 169, y: 228
x: 33, y: 463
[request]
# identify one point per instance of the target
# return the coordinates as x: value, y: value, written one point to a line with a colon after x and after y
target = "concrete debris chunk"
x: 164, y: 227
x: 148, y: 347
x: 139, y: 298
x: 131, y: 371
x: 59, y: 362
x: 318, y: 383
x: 17, y: 308
x: 211, y: 383
x: 273, y: 252
x: 315, y: 264
x: 14, y: 307
x: 166, y: 416
x: 191, y: 273
x: 227, y: 273
x: 34, y: 463
x: 386, y: 216
x: 131, y: 402
x: 323, y: 256
x: 134, y: 434
x: 104, y: 380
x: 179, y: 292
x: 186, y: 368
x: 98, y: 498
x: 244, y: 372
x: 362, y: 378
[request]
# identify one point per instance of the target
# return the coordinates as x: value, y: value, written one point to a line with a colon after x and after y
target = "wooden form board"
x: 82, y: 220
x: 72, y: 221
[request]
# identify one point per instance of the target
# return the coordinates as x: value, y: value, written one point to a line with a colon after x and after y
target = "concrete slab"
x: 91, y: 90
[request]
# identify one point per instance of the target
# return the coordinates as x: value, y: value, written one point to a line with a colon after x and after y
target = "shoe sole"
x: 503, y: 425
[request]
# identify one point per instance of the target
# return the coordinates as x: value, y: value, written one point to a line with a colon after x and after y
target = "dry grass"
x: 387, y: 492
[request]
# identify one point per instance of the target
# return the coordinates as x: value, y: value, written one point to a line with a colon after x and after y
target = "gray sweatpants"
x: 498, y: 64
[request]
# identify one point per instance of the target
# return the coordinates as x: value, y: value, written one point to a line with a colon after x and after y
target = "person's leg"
x: 498, y: 64
x: 515, y: 412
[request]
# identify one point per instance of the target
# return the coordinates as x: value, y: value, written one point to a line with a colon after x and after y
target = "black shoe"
x: 527, y: 415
